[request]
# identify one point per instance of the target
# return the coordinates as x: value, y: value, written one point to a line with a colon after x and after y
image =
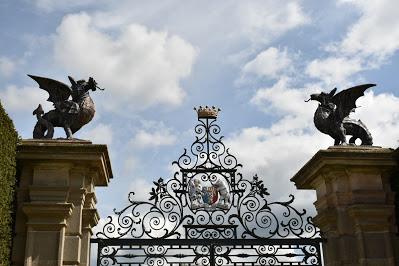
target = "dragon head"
x: 323, y: 98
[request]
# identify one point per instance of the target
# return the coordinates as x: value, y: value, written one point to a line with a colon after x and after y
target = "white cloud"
x: 367, y: 43
x: 7, y: 66
x: 141, y: 188
x: 376, y: 33
x: 255, y: 21
x: 172, y: 169
x: 269, y: 63
x: 153, y: 139
x: 380, y: 113
x: 138, y: 67
x: 289, y: 141
x: 282, y: 99
x: 24, y: 99
x: 130, y: 165
x: 99, y: 134
x: 153, y: 135
x: 275, y: 156
x: 269, y: 19
x: 334, y: 71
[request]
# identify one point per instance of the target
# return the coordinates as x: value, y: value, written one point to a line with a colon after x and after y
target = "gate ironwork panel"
x: 208, y: 214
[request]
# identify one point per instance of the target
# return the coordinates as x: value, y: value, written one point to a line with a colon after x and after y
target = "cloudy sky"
x: 256, y: 60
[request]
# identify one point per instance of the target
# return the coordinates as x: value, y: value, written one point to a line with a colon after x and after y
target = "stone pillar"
x: 355, y: 203
x: 56, y: 201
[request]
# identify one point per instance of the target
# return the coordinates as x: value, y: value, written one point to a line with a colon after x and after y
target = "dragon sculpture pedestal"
x: 355, y: 203
x: 55, y: 208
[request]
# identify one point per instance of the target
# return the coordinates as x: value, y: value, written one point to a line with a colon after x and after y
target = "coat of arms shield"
x: 209, y: 195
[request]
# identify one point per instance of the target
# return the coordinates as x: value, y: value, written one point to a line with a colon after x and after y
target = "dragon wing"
x: 58, y: 91
x: 346, y: 99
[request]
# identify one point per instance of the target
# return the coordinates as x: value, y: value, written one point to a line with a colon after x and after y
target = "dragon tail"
x: 42, y: 125
x: 358, y: 130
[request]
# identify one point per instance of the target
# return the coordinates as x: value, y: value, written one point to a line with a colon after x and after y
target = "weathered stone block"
x: 355, y: 203
x: 56, y: 200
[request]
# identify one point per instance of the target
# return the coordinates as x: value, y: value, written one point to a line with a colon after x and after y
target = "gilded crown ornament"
x: 207, y: 112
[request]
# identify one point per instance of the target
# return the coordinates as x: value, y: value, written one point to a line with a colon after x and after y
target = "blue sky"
x: 256, y: 60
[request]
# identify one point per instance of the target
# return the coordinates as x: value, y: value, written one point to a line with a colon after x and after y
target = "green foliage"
x: 8, y: 144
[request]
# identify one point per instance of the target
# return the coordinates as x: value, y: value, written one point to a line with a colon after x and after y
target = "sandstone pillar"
x: 56, y: 200
x: 355, y: 203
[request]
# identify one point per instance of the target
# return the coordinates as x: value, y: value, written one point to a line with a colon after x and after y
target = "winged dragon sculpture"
x: 70, y: 114
x: 332, y: 115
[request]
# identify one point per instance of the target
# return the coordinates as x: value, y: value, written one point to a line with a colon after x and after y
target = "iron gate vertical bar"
x: 320, y: 253
x: 99, y: 248
x: 212, y: 255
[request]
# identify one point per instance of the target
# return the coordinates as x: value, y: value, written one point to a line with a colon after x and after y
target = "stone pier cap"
x: 70, y: 151
x: 342, y: 157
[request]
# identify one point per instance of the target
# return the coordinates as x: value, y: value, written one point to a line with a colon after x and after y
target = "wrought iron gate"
x: 209, y: 214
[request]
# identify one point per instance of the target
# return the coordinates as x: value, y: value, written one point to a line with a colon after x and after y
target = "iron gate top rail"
x: 204, y: 242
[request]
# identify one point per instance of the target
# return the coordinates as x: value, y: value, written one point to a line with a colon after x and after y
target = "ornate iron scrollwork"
x: 209, y: 200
